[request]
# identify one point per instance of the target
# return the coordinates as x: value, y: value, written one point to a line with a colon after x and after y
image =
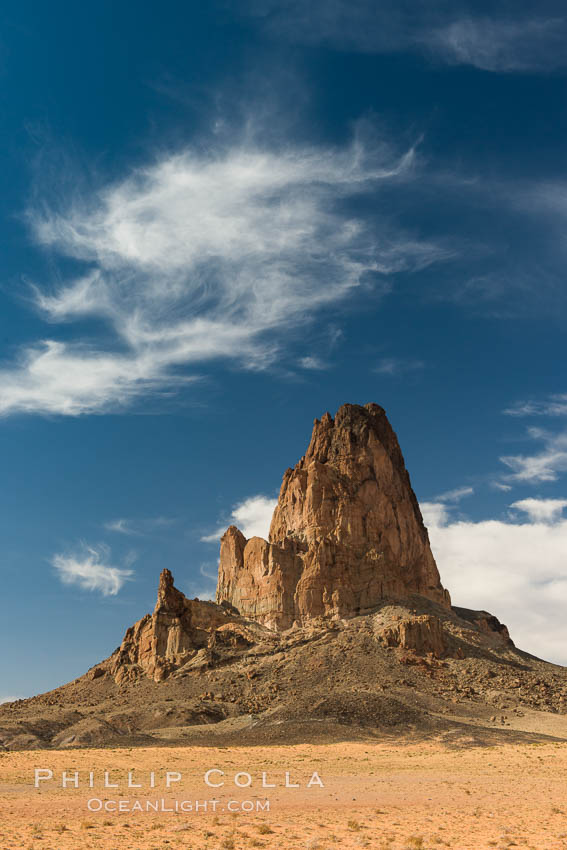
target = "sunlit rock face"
x: 170, y: 637
x: 346, y: 533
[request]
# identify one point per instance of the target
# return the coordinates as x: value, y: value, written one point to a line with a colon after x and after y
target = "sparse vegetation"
x: 415, y: 842
x: 264, y: 829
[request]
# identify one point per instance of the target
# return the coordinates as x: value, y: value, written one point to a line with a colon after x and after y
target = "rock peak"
x: 165, y: 582
x: 168, y: 597
x: 346, y: 532
x: 359, y: 445
x: 172, y: 636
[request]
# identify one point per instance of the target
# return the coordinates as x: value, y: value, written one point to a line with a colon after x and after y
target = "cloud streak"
x: 397, y: 366
x: 90, y: 570
x: 138, y: 527
x: 205, y: 256
x: 500, y: 45
x: 555, y: 405
x: 454, y: 33
x: 543, y: 466
x: 455, y: 495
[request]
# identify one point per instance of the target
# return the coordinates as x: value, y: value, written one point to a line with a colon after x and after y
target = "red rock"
x: 346, y: 533
x: 423, y: 634
x: 168, y: 638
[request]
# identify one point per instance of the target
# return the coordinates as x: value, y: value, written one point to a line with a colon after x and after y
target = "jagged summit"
x: 346, y: 533
x: 170, y: 637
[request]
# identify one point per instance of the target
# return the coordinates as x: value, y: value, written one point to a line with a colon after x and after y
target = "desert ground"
x: 376, y: 795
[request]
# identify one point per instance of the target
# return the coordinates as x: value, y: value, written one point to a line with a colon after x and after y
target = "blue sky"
x: 219, y: 221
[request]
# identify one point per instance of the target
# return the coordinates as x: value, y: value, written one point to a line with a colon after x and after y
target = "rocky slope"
x: 337, y: 626
x: 199, y: 673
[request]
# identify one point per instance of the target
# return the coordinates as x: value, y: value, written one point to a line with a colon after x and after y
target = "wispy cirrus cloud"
x: 90, y: 569
x: 252, y: 516
x: 518, y: 39
x: 523, y: 43
x: 542, y: 466
x: 501, y: 486
x: 120, y: 526
x: 205, y: 256
x: 313, y: 362
x: 397, y: 366
x: 515, y: 570
x: 554, y: 405
x: 137, y: 527
x: 455, y: 495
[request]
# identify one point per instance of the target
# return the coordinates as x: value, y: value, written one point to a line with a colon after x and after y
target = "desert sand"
x: 376, y: 795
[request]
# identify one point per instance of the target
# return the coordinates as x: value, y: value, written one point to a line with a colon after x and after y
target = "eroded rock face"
x: 170, y: 637
x: 259, y: 578
x: 346, y: 533
x: 422, y: 634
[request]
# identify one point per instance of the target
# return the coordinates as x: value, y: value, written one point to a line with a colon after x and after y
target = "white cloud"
x: 554, y: 405
x: 542, y: 466
x: 517, y: 571
x: 529, y: 44
x: 541, y: 510
x: 532, y: 39
x: 90, y: 570
x: 313, y: 362
x: 136, y: 527
x: 545, y: 465
x: 70, y: 379
x: 498, y: 485
x: 8, y: 699
x: 434, y: 513
x: 120, y: 526
x: 215, y: 536
x: 252, y: 516
x: 202, y: 256
x: 397, y: 366
x: 455, y: 495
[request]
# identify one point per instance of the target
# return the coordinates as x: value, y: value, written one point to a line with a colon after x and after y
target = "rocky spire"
x: 169, y: 599
x: 170, y: 637
x: 347, y: 531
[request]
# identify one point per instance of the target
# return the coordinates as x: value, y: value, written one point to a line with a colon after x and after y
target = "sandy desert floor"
x: 377, y: 795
